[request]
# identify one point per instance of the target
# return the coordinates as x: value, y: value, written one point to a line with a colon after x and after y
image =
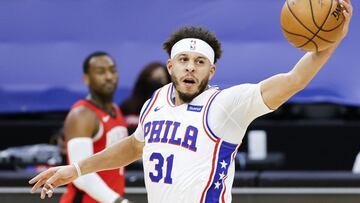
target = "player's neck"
x: 178, y: 101
x: 101, y: 102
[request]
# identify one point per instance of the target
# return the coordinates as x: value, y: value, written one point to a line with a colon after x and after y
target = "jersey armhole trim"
x: 149, y: 106
x: 169, y: 95
x: 206, y: 126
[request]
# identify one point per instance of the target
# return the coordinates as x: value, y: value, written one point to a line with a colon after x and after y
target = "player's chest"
x: 175, y: 126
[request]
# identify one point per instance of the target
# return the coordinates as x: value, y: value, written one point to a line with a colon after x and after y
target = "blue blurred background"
x: 43, y: 44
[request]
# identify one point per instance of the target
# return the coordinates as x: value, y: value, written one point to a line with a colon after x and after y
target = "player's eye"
x: 200, y: 61
x: 183, y: 59
x: 100, y: 71
x: 113, y: 70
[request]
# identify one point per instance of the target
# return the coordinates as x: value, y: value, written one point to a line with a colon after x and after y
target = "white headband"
x: 193, y: 45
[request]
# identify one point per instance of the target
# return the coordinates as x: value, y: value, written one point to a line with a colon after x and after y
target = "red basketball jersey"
x: 110, y: 131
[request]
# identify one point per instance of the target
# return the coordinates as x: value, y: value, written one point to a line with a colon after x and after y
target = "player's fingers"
x: 50, y: 191
x: 54, y: 180
x: 37, y: 185
x: 43, y: 193
x: 347, y: 6
x: 37, y: 178
x: 347, y: 11
x: 346, y: 15
x: 43, y: 175
x: 348, y: 1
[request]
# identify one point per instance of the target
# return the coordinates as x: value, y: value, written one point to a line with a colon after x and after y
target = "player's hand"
x: 53, y: 178
x: 122, y: 200
x: 347, y: 11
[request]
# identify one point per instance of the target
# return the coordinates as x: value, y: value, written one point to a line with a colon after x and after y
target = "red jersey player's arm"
x: 80, y: 122
x: 80, y: 126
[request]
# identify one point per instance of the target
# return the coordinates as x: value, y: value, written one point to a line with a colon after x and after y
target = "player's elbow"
x: 137, y: 147
x: 295, y: 83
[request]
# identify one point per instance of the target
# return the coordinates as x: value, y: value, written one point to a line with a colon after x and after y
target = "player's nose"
x: 190, y: 66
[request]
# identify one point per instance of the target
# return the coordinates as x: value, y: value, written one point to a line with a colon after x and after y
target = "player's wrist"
x: 77, y: 168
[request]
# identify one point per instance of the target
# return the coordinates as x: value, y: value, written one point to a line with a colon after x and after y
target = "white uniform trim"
x: 80, y: 148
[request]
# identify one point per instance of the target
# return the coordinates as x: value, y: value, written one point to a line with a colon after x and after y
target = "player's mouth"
x: 189, y: 81
x: 109, y: 86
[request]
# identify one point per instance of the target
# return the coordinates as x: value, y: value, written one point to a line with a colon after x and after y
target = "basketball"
x: 312, y: 25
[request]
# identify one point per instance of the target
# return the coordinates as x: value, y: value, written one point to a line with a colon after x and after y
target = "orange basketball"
x: 312, y: 25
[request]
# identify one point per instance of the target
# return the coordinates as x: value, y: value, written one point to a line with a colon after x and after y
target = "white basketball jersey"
x: 183, y: 160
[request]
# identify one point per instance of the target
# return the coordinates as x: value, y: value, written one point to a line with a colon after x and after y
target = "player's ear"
x: 86, y: 79
x: 212, y: 71
x: 169, y: 66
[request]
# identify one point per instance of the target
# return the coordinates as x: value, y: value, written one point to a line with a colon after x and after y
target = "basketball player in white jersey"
x: 189, y: 132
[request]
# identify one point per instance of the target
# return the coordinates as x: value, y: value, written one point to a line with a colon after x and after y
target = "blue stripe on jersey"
x: 207, y: 114
x: 222, y: 168
x: 147, y: 106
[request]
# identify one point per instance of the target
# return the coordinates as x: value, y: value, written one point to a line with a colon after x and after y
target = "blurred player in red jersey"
x: 92, y: 125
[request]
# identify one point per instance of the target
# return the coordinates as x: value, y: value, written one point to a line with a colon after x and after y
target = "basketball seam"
x: 310, y: 40
x: 334, y: 27
x: 319, y: 28
x: 287, y: 4
x: 313, y: 18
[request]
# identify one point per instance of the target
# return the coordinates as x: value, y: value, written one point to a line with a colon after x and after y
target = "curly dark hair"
x: 194, y: 32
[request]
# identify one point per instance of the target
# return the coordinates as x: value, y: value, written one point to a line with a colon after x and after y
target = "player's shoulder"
x: 160, y: 94
x: 164, y: 90
x: 245, y: 88
x: 82, y: 113
x: 80, y: 121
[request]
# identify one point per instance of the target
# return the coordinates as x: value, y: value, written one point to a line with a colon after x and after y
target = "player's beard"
x: 188, y: 97
x: 102, y: 97
x: 102, y: 93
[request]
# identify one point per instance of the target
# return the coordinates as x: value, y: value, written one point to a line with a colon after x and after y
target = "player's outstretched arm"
x: 277, y: 89
x: 119, y: 154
